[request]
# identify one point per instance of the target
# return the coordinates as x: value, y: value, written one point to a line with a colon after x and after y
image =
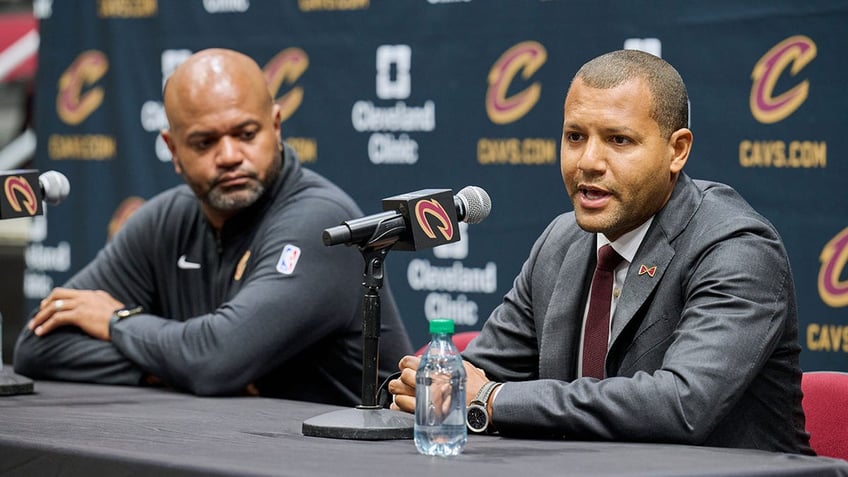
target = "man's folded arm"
x: 273, y: 318
x: 68, y: 354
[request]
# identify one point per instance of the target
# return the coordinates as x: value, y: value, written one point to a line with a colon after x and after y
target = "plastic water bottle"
x: 440, y: 395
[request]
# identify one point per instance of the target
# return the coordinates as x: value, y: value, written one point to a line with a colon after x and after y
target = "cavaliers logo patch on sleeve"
x: 242, y: 264
x: 288, y: 259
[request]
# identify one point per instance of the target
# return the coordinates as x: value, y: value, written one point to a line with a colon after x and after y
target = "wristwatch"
x: 126, y: 312
x: 477, y: 415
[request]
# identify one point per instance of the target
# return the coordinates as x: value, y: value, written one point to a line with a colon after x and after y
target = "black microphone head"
x: 54, y: 187
x: 476, y: 203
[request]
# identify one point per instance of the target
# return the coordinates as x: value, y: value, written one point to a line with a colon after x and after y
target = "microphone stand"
x: 369, y: 420
x: 11, y: 383
x: 53, y: 189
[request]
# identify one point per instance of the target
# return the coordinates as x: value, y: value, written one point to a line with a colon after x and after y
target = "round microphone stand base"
x: 368, y: 420
x: 11, y: 383
x: 361, y: 423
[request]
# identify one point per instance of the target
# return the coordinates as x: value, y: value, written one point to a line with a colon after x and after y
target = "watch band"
x: 477, y: 414
x: 125, y: 312
x: 128, y: 311
x: 485, y: 391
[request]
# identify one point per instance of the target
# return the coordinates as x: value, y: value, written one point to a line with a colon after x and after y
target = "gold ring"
x: 58, y: 304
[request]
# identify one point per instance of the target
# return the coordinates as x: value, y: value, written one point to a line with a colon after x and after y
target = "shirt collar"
x: 627, y: 244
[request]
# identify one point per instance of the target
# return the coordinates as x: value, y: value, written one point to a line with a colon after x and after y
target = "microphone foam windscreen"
x: 55, y: 186
x: 477, y: 204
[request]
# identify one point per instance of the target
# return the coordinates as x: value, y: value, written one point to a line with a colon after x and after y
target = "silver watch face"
x: 476, y: 418
x: 129, y: 311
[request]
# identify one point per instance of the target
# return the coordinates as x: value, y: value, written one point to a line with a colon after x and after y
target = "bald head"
x: 214, y: 75
x: 223, y: 131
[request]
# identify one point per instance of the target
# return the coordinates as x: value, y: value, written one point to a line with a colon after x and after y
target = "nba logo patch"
x: 288, y: 259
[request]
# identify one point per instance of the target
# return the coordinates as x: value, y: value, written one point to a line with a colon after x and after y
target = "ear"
x: 680, y: 143
x: 278, y: 129
x: 169, y: 141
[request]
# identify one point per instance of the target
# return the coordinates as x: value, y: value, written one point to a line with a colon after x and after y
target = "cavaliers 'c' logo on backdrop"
x: 834, y: 256
x: 789, y: 56
x: 74, y: 102
x: 525, y: 58
x: 432, y: 208
x: 286, y: 68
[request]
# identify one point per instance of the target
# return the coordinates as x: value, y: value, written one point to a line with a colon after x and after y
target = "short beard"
x: 237, y: 200
x: 247, y: 196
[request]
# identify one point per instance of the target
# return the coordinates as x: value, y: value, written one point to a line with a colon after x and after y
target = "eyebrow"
x: 614, y: 130
x: 621, y: 130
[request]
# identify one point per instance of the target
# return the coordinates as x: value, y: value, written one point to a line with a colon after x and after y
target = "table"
x: 67, y: 429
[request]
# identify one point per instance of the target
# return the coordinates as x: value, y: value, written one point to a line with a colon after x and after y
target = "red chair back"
x: 825, y: 405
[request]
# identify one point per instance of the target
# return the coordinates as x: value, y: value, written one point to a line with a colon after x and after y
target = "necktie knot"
x: 608, y: 258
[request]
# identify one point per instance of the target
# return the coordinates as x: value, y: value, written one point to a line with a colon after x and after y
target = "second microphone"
x: 414, y: 221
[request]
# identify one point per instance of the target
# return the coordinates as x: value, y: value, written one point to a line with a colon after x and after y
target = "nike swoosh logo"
x: 186, y: 265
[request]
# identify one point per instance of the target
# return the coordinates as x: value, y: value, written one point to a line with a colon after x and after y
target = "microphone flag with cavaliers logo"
x: 21, y: 195
x: 430, y: 216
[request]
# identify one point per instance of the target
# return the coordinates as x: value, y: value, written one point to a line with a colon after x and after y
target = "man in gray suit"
x: 702, y: 345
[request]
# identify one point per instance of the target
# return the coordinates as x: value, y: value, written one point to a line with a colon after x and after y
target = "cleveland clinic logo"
x: 391, y: 125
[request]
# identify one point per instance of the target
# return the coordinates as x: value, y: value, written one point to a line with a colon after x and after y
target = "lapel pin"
x: 643, y: 269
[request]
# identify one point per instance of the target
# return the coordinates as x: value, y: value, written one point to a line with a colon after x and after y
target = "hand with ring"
x: 89, y: 310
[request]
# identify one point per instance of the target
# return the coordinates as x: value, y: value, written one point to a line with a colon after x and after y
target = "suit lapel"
x: 656, y: 251
x: 563, y: 320
x: 654, y: 255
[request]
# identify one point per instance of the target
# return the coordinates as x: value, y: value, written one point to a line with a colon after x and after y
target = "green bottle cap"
x: 441, y: 325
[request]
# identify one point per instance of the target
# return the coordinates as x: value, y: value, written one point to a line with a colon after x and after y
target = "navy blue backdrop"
x: 385, y: 97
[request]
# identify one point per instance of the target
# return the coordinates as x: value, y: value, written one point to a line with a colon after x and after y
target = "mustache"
x: 237, y: 174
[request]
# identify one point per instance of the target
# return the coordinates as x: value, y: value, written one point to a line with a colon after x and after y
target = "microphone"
x: 23, y: 190
x: 54, y: 187
x: 415, y: 220
x: 473, y: 204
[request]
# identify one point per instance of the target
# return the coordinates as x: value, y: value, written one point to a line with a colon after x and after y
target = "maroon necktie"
x: 596, y: 334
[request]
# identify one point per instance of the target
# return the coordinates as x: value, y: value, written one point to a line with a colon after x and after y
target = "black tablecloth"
x: 79, y: 429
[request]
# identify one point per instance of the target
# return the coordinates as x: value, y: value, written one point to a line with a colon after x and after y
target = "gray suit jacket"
x: 703, y: 352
